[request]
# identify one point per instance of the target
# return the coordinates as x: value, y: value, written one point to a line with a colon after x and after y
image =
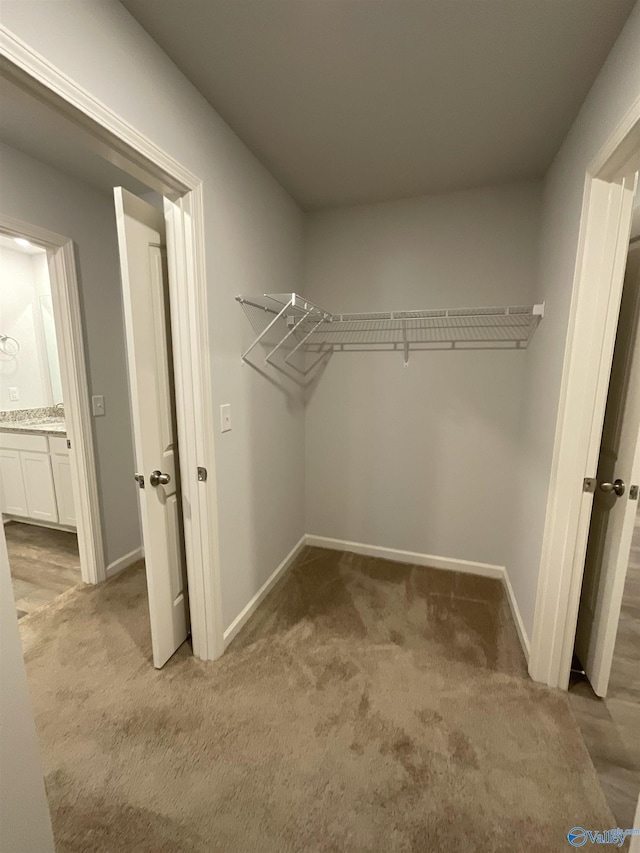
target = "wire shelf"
x: 312, y: 329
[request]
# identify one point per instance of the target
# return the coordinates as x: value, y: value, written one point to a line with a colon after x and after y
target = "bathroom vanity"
x: 35, y: 471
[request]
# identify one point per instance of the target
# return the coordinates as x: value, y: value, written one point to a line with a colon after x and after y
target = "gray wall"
x: 421, y: 458
x: 611, y: 96
x: 37, y: 194
x: 24, y: 812
x: 253, y: 243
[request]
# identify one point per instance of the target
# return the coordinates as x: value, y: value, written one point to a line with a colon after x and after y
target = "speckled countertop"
x: 39, y: 426
x: 47, y: 421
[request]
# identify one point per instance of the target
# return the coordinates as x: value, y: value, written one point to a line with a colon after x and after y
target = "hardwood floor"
x: 611, y: 727
x: 44, y: 563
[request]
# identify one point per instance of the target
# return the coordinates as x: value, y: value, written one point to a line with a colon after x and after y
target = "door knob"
x: 617, y: 486
x: 157, y: 478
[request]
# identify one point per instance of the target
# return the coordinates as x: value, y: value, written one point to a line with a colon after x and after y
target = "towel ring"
x: 9, y: 346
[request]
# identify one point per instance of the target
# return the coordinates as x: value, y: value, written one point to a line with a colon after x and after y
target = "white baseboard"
x: 517, y: 617
x: 486, y: 569
x: 34, y: 522
x: 125, y: 561
x: 244, y: 614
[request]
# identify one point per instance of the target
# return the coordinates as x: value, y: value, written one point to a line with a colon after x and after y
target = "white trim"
x: 616, y: 157
x: 517, y: 616
x: 134, y: 151
x: 264, y: 590
x: 137, y: 155
x: 65, y: 298
x: 193, y: 385
x: 21, y: 519
x: 487, y: 570
x: 75, y: 389
x: 124, y: 562
x: 597, y: 288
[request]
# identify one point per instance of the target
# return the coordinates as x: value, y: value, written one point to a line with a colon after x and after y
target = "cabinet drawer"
x: 22, y: 441
x: 58, y: 444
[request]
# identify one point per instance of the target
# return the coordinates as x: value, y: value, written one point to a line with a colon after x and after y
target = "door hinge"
x: 139, y: 478
x: 589, y: 484
x: 633, y: 493
x: 202, y: 474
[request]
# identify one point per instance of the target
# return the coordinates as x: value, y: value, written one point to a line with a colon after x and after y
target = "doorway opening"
x: 36, y: 485
x: 615, y: 490
x: 105, y: 138
x: 50, y: 465
x: 41, y: 456
x: 603, y: 244
x: 604, y: 689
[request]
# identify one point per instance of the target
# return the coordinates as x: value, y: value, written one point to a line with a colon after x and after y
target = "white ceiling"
x: 351, y: 101
x: 33, y: 127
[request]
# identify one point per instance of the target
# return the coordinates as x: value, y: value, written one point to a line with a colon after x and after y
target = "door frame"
x: 597, y: 289
x: 115, y: 139
x: 65, y: 297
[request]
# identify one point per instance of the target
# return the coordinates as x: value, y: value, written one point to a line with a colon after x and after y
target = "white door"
x: 613, y: 515
x: 146, y: 309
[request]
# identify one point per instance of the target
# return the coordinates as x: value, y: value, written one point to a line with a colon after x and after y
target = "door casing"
x: 112, y: 137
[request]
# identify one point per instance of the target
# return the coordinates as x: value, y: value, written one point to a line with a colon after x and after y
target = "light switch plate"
x: 14, y: 394
x: 225, y: 417
x: 97, y: 406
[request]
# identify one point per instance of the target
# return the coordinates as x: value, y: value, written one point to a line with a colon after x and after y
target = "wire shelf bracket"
x: 312, y: 329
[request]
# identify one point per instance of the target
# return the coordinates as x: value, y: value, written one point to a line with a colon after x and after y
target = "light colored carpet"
x: 367, y: 706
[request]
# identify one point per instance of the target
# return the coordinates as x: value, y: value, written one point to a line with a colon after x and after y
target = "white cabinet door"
x: 38, y: 486
x: 64, y: 492
x: 12, y: 493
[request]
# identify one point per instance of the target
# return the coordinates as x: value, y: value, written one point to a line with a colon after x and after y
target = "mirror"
x: 29, y: 365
